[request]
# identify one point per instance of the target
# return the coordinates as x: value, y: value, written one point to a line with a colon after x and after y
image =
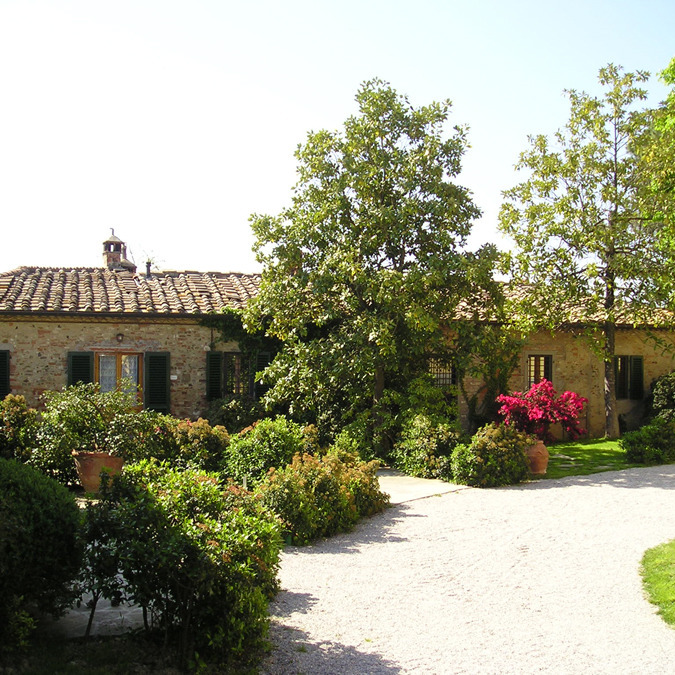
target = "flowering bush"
x: 538, y: 408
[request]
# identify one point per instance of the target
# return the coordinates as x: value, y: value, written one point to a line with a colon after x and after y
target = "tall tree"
x: 364, y: 266
x: 584, y: 223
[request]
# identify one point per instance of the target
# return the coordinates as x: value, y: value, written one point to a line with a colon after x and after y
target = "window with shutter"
x: 157, y: 388
x: 214, y: 375
x: 4, y: 373
x: 539, y: 367
x: 80, y: 368
x: 629, y: 377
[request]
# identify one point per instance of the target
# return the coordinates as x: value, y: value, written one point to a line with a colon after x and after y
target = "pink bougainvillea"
x: 535, y: 410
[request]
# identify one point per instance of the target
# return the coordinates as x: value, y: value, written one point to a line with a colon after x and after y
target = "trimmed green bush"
x: 319, y: 496
x: 18, y: 428
x: 653, y: 443
x: 39, y: 546
x: 200, y: 445
x: 200, y: 559
x: 663, y: 396
x: 495, y: 456
x: 425, y: 447
x: 270, y: 443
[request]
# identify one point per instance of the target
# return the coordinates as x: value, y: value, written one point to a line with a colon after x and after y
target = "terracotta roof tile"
x: 99, y: 290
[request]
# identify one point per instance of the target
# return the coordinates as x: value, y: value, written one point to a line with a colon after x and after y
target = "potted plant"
x: 536, y: 410
x: 95, y: 428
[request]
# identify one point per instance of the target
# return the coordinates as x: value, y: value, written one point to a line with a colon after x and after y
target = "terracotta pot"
x: 538, y: 456
x: 90, y: 464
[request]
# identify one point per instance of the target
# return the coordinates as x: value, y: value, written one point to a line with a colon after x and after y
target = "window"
x: 629, y: 377
x: 111, y: 369
x: 231, y: 374
x: 445, y: 375
x: 4, y: 373
x: 539, y: 367
x: 151, y: 369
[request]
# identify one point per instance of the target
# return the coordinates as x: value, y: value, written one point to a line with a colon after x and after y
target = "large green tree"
x: 370, y: 259
x: 589, y: 243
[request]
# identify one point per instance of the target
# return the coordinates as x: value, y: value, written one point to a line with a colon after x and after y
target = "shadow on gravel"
x: 662, y: 477
x: 300, y: 655
x: 377, y: 529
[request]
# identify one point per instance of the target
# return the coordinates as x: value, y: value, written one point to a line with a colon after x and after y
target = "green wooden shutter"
x: 214, y: 375
x: 4, y: 373
x: 157, y: 387
x: 637, y: 388
x: 80, y: 367
x: 262, y: 361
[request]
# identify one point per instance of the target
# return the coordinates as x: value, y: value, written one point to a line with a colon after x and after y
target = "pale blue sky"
x: 173, y: 120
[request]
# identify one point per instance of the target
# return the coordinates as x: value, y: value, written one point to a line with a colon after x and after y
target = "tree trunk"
x: 611, y: 419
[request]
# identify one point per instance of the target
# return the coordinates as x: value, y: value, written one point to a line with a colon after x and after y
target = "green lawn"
x: 658, y: 576
x: 580, y: 458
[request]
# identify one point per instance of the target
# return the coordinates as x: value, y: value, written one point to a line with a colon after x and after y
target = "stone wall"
x: 577, y: 368
x: 39, y: 349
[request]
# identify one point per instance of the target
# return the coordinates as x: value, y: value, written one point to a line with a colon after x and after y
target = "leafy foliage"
x: 235, y: 412
x: 663, y: 396
x: 201, y: 560
x: 270, y: 443
x: 18, y: 428
x: 319, y: 496
x: 425, y: 447
x: 540, y: 407
x: 363, y: 268
x: 495, y: 456
x: 585, y: 226
x: 654, y: 443
x: 83, y: 418
x: 39, y: 547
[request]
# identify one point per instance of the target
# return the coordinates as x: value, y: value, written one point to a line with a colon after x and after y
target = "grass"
x: 658, y: 577
x: 581, y: 458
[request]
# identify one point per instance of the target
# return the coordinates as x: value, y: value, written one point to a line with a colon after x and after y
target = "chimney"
x: 115, y: 254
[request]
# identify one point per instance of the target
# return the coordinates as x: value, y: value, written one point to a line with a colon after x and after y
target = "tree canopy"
x: 587, y: 223
x: 363, y: 269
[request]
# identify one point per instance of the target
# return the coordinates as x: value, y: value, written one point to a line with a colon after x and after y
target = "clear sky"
x: 173, y: 120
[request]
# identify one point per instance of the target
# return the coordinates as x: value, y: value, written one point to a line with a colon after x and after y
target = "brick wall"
x: 38, y: 353
x: 577, y: 368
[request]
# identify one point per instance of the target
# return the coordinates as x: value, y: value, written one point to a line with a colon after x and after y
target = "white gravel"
x: 542, y: 577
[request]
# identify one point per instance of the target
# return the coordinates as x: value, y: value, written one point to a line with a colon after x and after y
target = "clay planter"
x: 538, y: 456
x: 90, y: 464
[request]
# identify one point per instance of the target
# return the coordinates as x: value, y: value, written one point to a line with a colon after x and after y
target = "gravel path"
x: 536, y: 578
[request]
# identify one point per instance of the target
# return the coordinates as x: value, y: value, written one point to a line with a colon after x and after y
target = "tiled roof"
x: 100, y: 290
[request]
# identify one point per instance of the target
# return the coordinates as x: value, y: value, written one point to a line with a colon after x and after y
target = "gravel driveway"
x: 536, y: 578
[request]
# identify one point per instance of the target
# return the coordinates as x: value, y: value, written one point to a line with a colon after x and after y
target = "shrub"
x: 495, y: 456
x: 235, y: 412
x: 270, y: 443
x: 653, y: 443
x: 319, y: 496
x: 663, y: 396
x: 83, y: 418
x: 200, y: 445
x: 539, y: 407
x: 424, y: 448
x: 39, y: 546
x: 18, y: 428
x: 201, y: 560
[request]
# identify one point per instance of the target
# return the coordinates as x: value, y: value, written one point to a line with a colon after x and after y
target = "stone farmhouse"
x: 61, y: 326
